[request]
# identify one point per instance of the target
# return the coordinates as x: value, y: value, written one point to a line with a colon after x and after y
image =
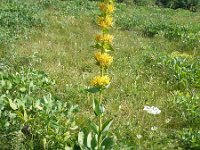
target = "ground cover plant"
x: 31, y: 116
x: 46, y: 64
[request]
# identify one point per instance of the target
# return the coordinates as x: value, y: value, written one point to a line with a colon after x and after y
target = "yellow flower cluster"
x: 106, y: 38
x: 106, y: 7
x: 103, y: 59
x: 100, y: 81
x: 105, y: 22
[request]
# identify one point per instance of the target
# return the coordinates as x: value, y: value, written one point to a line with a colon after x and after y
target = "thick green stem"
x: 100, y: 122
x: 100, y: 116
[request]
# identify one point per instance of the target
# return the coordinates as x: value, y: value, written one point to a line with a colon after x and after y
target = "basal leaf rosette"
x: 103, y: 59
x: 100, y: 82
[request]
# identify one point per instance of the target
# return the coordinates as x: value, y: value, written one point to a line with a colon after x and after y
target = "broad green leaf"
x: 25, y: 116
x: 68, y: 148
x: 107, y: 125
x: 9, y: 85
x: 3, y: 83
x: 22, y: 89
x: 97, y: 46
x: 7, y: 124
x: 20, y: 115
x: 31, y: 84
x: 89, y: 140
x: 108, y: 47
x: 94, y: 127
x: 12, y: 105
x: 30, y: 120
x: 81, y: 138
x: 93, y: 90
x: 94, y: 142
x: 98, y: 108
x: 107, y: 143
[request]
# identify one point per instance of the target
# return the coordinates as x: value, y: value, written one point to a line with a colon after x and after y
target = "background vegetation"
x: 46, y: 64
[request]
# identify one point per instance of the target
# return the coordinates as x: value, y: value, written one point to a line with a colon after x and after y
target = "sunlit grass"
x: 63, y: 46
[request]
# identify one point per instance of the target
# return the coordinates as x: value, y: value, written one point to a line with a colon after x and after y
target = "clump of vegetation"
x: 186, y: 4
x: 153, y: 98
x: 15, y: 20
x: 189, y: 138
x: 182, y: 72
x: 31, y: 115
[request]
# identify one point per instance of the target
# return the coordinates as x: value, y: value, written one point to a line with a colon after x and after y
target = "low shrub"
x: 182, y: 72
x: 16, y: 18
x: 187, y: 107
x: 186, y: 4
x: 32, y: 117
x: 189, y: 138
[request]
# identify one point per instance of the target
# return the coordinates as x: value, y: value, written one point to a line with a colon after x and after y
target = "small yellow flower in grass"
x: 107, y: 38
x: 100, y: 81
x: 106, y: 7
x: 105, y: 22
x: 102, y: 6
x: 110, y: 8
x: 103, y: 59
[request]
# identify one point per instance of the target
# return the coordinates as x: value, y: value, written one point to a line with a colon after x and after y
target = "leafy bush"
x: 187, y: 35
x: 31, y: 116
x: 143, y: 2
x: 187, y: 105
x: 16, y: 18
x: 182, y: 71
x: 153, y: 29
x: 187, y: 4
x: 189, y: 138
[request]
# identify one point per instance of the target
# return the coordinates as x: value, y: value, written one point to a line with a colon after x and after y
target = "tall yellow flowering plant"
x: 99, y: 139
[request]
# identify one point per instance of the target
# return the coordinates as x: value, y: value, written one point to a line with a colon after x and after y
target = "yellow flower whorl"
x: 100, y: 81
x: 106, y: 7
x: 106, y: 38
x: 105, y: 22
x: 103, y: 59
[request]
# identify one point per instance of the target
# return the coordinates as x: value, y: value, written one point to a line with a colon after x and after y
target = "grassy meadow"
x: 47, y: 62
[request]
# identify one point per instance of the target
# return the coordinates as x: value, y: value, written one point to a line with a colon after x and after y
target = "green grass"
x: 61, y: 48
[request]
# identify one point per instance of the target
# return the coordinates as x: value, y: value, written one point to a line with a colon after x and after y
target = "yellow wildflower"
x: 103, y: 59
x: 110, y: 8
x: 100, y: 81
x: 105, y: 22
x: 102, y: 6
x: 106, y: 8
x: 107, y: 38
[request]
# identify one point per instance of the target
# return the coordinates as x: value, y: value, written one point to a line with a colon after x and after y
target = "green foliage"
x: 31, y: 114
x: 182, y: 73
x: 153, y: 29
x: 16, y: 18
x: 187, y: 35
x: 189, y: 138
x: 89, y: 140
x: 187, y: 105
x: 154, y: 22
x: 71, y: 8
x: 187, y: 4
x: 143, y: 2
